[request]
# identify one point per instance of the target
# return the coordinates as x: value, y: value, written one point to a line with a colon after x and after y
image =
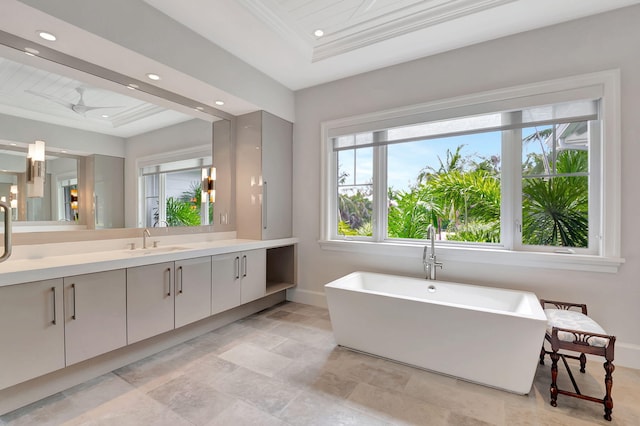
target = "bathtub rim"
x: 537, y: 313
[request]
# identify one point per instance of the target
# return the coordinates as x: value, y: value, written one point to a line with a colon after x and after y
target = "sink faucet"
x: 429, y: 262
x: 145, y: 234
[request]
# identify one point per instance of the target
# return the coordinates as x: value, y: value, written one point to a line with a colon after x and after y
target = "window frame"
x: 202, y: 151
x: 605, y: 167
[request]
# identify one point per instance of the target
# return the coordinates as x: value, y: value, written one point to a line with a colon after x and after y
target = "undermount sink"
x: 155, y: 250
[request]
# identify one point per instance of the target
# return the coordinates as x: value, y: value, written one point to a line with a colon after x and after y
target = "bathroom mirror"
x: 103, y: 142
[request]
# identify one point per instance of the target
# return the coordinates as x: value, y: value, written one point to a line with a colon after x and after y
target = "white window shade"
x: 175, y: 166
x: 579, y: 110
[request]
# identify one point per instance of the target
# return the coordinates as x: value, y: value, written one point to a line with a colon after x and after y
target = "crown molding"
x: 397, y: 23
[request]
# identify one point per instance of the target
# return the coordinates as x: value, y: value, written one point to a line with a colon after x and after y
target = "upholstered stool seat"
x: 574, y: 331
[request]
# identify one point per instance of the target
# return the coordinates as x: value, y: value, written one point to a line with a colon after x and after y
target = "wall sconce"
x: 13, y: 196
x: 209, y: 184
x: 73, y: 193
x: 35, y: 170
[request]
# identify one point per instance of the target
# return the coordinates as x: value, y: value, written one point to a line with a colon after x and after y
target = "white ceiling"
x: 276, y: 36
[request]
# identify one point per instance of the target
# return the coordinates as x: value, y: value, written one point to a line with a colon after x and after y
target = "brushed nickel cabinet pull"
x: 237, y: 267
x: 181, y: 282
x: 264, y: 205
x: 74, y: 316
x: 55, y: 315
x: 169, y: 292
x: 244, y: 265
x: 7, y: 231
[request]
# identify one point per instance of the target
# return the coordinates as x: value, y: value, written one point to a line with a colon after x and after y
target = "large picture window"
x: 521, y: 170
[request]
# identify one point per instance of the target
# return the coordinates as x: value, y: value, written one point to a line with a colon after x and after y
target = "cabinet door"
x: 277, y: 170
x: 193, y: 290
x: 249, y: 176
x: 150, y: 309
x: 94, y: 314
x: 253, y: 272
x: 225, y: 290
x: 31, y: 331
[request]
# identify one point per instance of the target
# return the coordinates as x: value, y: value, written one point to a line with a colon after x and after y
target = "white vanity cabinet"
x: 238, y: 278
x: 225, y: 283
x: 150, y: 300
x: 193, y: 290
x: 94, y: 314
x: 264, y: 164
x: 31, y: 330
x: 253, y: 275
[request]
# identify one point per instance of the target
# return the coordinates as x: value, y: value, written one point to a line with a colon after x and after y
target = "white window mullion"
x: 511, y: 185
x: 162, y: 199
x: 595, y: 189
x: 380, y: 193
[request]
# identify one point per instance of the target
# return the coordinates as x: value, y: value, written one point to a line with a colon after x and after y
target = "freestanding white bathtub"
x: 484, y: 335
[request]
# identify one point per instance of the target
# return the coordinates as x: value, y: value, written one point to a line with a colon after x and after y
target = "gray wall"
x: 587, y: 45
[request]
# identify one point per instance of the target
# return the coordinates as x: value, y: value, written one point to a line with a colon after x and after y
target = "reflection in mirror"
x: 173, y: 193
x: 97, y: 135
x: 60, y: 187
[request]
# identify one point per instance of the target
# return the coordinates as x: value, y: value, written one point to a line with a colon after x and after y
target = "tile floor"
x: 282, y: 367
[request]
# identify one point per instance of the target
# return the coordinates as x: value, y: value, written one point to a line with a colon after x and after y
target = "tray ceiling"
x: 277, y: 36
x: 36, y: 94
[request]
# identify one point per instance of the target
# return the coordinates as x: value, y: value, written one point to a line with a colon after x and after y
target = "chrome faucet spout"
x: 430, y: 263
x: 146, y: 233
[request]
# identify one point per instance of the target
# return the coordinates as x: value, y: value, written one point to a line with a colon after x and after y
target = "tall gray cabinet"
x: 264, y: 176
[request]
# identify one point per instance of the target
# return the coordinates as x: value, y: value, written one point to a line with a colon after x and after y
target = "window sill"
x: 573, y: 262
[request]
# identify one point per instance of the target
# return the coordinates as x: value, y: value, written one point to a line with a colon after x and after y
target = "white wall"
x: 189, y: 134
x: 76, y: 141
x: 592, y: 44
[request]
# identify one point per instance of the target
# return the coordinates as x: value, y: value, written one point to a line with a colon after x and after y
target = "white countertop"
x: 43, y: 267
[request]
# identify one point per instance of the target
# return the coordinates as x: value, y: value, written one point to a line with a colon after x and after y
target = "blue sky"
x: 406, y: 160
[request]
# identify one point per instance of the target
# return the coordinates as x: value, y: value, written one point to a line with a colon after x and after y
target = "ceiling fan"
x: 79, y: 107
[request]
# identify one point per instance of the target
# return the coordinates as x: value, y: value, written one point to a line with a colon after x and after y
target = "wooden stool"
x: 574, y: 331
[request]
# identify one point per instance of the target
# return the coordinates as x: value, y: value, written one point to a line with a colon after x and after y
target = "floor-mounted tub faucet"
x: 429, y: 262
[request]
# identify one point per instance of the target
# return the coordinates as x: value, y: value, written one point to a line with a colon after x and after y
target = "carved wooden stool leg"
x: 583, y: 362
x: 608, y: 382
x: 542, y: 354
x: 554, y: 376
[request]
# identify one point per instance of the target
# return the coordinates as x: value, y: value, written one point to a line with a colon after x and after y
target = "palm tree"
x: 555, y: 210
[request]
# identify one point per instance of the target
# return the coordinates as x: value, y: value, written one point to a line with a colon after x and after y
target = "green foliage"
x: 410, y: 213
x: 555, y: 211
x: 345, y: 229
x: 477, y: 232
x: 181, y: 213
x: 355, y: 210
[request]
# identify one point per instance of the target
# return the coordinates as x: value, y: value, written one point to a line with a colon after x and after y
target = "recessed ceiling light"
x: 105, y: 116
x: 199, y: 108
x: 154, y: 77
x: 64, y: 151
x: 47, y: 36
x: 31, y: 51
x: 13, y: 144
x: 133, y: 86
x: 220, y: 103
x: 318, y: 33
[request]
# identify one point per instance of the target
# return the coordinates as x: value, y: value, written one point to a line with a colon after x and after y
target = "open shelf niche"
x: 281, y: 270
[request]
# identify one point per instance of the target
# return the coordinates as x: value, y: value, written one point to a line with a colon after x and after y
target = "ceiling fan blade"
x: 81, y: 109
x: 52, y: 99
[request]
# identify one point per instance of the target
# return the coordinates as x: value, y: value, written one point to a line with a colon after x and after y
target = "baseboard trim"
x: 36, y: 389
x: 307, y: 297
x: 627, y: 355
